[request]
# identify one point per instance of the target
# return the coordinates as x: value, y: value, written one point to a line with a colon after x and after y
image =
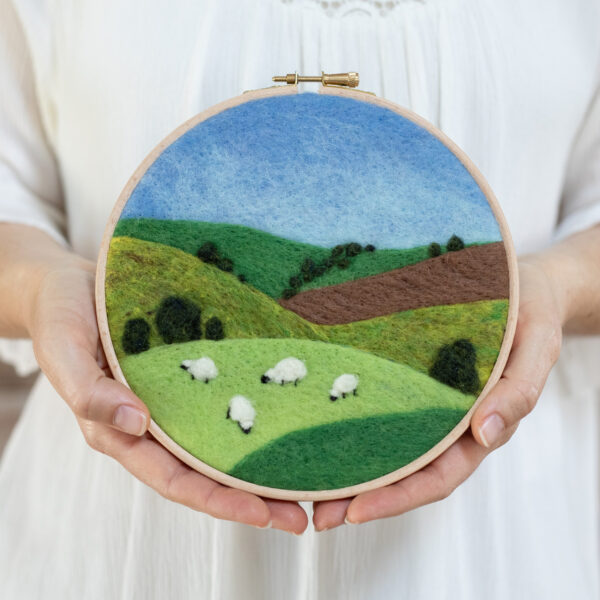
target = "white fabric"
x: 88, y: 88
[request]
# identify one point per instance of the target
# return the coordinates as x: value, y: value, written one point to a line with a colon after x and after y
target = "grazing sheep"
x: 285, y: 371
x: 241, y: 410
x: 203, y: 369
x: 343, y: 385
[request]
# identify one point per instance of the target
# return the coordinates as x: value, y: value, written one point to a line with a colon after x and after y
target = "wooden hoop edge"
x: 389, y: 478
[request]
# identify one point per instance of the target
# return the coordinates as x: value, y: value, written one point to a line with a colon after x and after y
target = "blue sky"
x: 319, y: 169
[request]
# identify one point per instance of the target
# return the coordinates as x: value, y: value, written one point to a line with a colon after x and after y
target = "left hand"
x: 535, y: 350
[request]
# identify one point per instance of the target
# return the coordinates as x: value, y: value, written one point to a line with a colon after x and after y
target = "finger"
x: 535, y: 350
x: 289, y: 516
x: 329, y: 514
x: 73, y: 370
x: 152, y: 464
x: 434, y: 482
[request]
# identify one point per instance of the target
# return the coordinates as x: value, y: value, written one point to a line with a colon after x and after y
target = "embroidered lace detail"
x: 340, y: 8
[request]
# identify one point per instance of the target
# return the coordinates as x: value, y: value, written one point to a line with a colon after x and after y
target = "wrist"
x: 564, y: 275
x: 39, y: 276
x: 27, y: 257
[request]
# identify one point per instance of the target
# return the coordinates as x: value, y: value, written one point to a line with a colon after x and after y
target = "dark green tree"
x: 225, y: 264
x: 178, y: 320
x: 454, y: 244
x: 295, y: 281
x: 353, y: 249
x: 308, y: 266
x: 455, y: 366
x: 370, y: 248
x: 136, y: 336
x: 434, y: 249
x: 214, y: 329
x: 289, y: 293
x: 208, y: 252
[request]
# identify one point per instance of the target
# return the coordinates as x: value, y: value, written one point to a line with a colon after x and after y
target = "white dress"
x: 88, y: 88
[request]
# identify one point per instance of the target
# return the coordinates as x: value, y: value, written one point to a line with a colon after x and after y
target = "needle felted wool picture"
x: 309, y: 291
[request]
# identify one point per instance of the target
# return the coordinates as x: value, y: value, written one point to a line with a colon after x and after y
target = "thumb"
x: 535, y: 350
x: 73, y: 370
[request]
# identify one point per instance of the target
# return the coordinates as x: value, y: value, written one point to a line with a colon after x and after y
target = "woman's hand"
x: 57, y: 310
x: 536, y: 347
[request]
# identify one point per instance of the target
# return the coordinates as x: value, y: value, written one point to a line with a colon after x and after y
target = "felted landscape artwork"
x: 308, y: 291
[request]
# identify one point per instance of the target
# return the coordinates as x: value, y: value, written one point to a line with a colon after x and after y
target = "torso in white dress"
x: 87, y: 90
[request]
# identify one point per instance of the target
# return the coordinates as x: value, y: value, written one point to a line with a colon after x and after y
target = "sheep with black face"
x: 203, y: 369
x: 241, y: 410
x: 288, y: 370
x: 344, y: 384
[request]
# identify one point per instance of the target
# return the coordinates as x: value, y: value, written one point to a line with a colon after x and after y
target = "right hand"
x: 114, y: 421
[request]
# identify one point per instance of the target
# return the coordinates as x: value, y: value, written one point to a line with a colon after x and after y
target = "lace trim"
x: 340, y: 8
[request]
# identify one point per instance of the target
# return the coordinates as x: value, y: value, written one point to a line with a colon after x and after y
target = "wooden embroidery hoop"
x: 394, y: 476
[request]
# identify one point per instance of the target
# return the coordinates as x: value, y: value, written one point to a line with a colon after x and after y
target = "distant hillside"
x: 140, y: 274
x: 265, y: 260
x: 469, y: 275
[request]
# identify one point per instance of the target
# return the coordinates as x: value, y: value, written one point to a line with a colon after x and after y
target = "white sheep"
x: 241, y: 410
x: 285, y: 371
x: 344, y: 384
x: 203, y: 369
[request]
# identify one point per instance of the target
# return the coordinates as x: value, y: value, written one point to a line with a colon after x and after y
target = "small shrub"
x: 178, y: 320
x: 288, y: 293
x: 370, y: 248
x: 296, y: 281
x: 242, y: 278
x: 454, y: 244
x: 338, y: 250
x: 136, y: 336
x: 308, y: 276
x: 208, y: 252
x: 225, y: 264
x: 320, y: 270
x: 214, y: 329
x: 353, y: 249
x: 434, y: 249
x: 308, y: 265
x: 343, y: 264
x: 455, y: 366
x: 329, y: 262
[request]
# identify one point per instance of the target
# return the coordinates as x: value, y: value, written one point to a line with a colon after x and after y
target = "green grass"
x: 266, y: 260
x: 194, y: 413
x: 414, y: 337
x: 348, y: 452
x: 140, y: 274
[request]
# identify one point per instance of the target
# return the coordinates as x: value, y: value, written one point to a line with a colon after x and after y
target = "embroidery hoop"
x: 389, y: 478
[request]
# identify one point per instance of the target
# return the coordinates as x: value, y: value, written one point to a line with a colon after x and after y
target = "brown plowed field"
x: 475, y: 273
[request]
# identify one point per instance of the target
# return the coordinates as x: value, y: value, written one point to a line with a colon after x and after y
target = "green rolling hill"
x: 267, y: 261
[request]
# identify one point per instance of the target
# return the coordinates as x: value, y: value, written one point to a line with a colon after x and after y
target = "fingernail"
x: 267, y: 526
x: 130, y: 420
x: 491, y: 430
x: 348, y: 521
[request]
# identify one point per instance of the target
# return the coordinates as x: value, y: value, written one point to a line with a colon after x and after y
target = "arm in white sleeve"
x: 580, y: 207
x: 30, y: 190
